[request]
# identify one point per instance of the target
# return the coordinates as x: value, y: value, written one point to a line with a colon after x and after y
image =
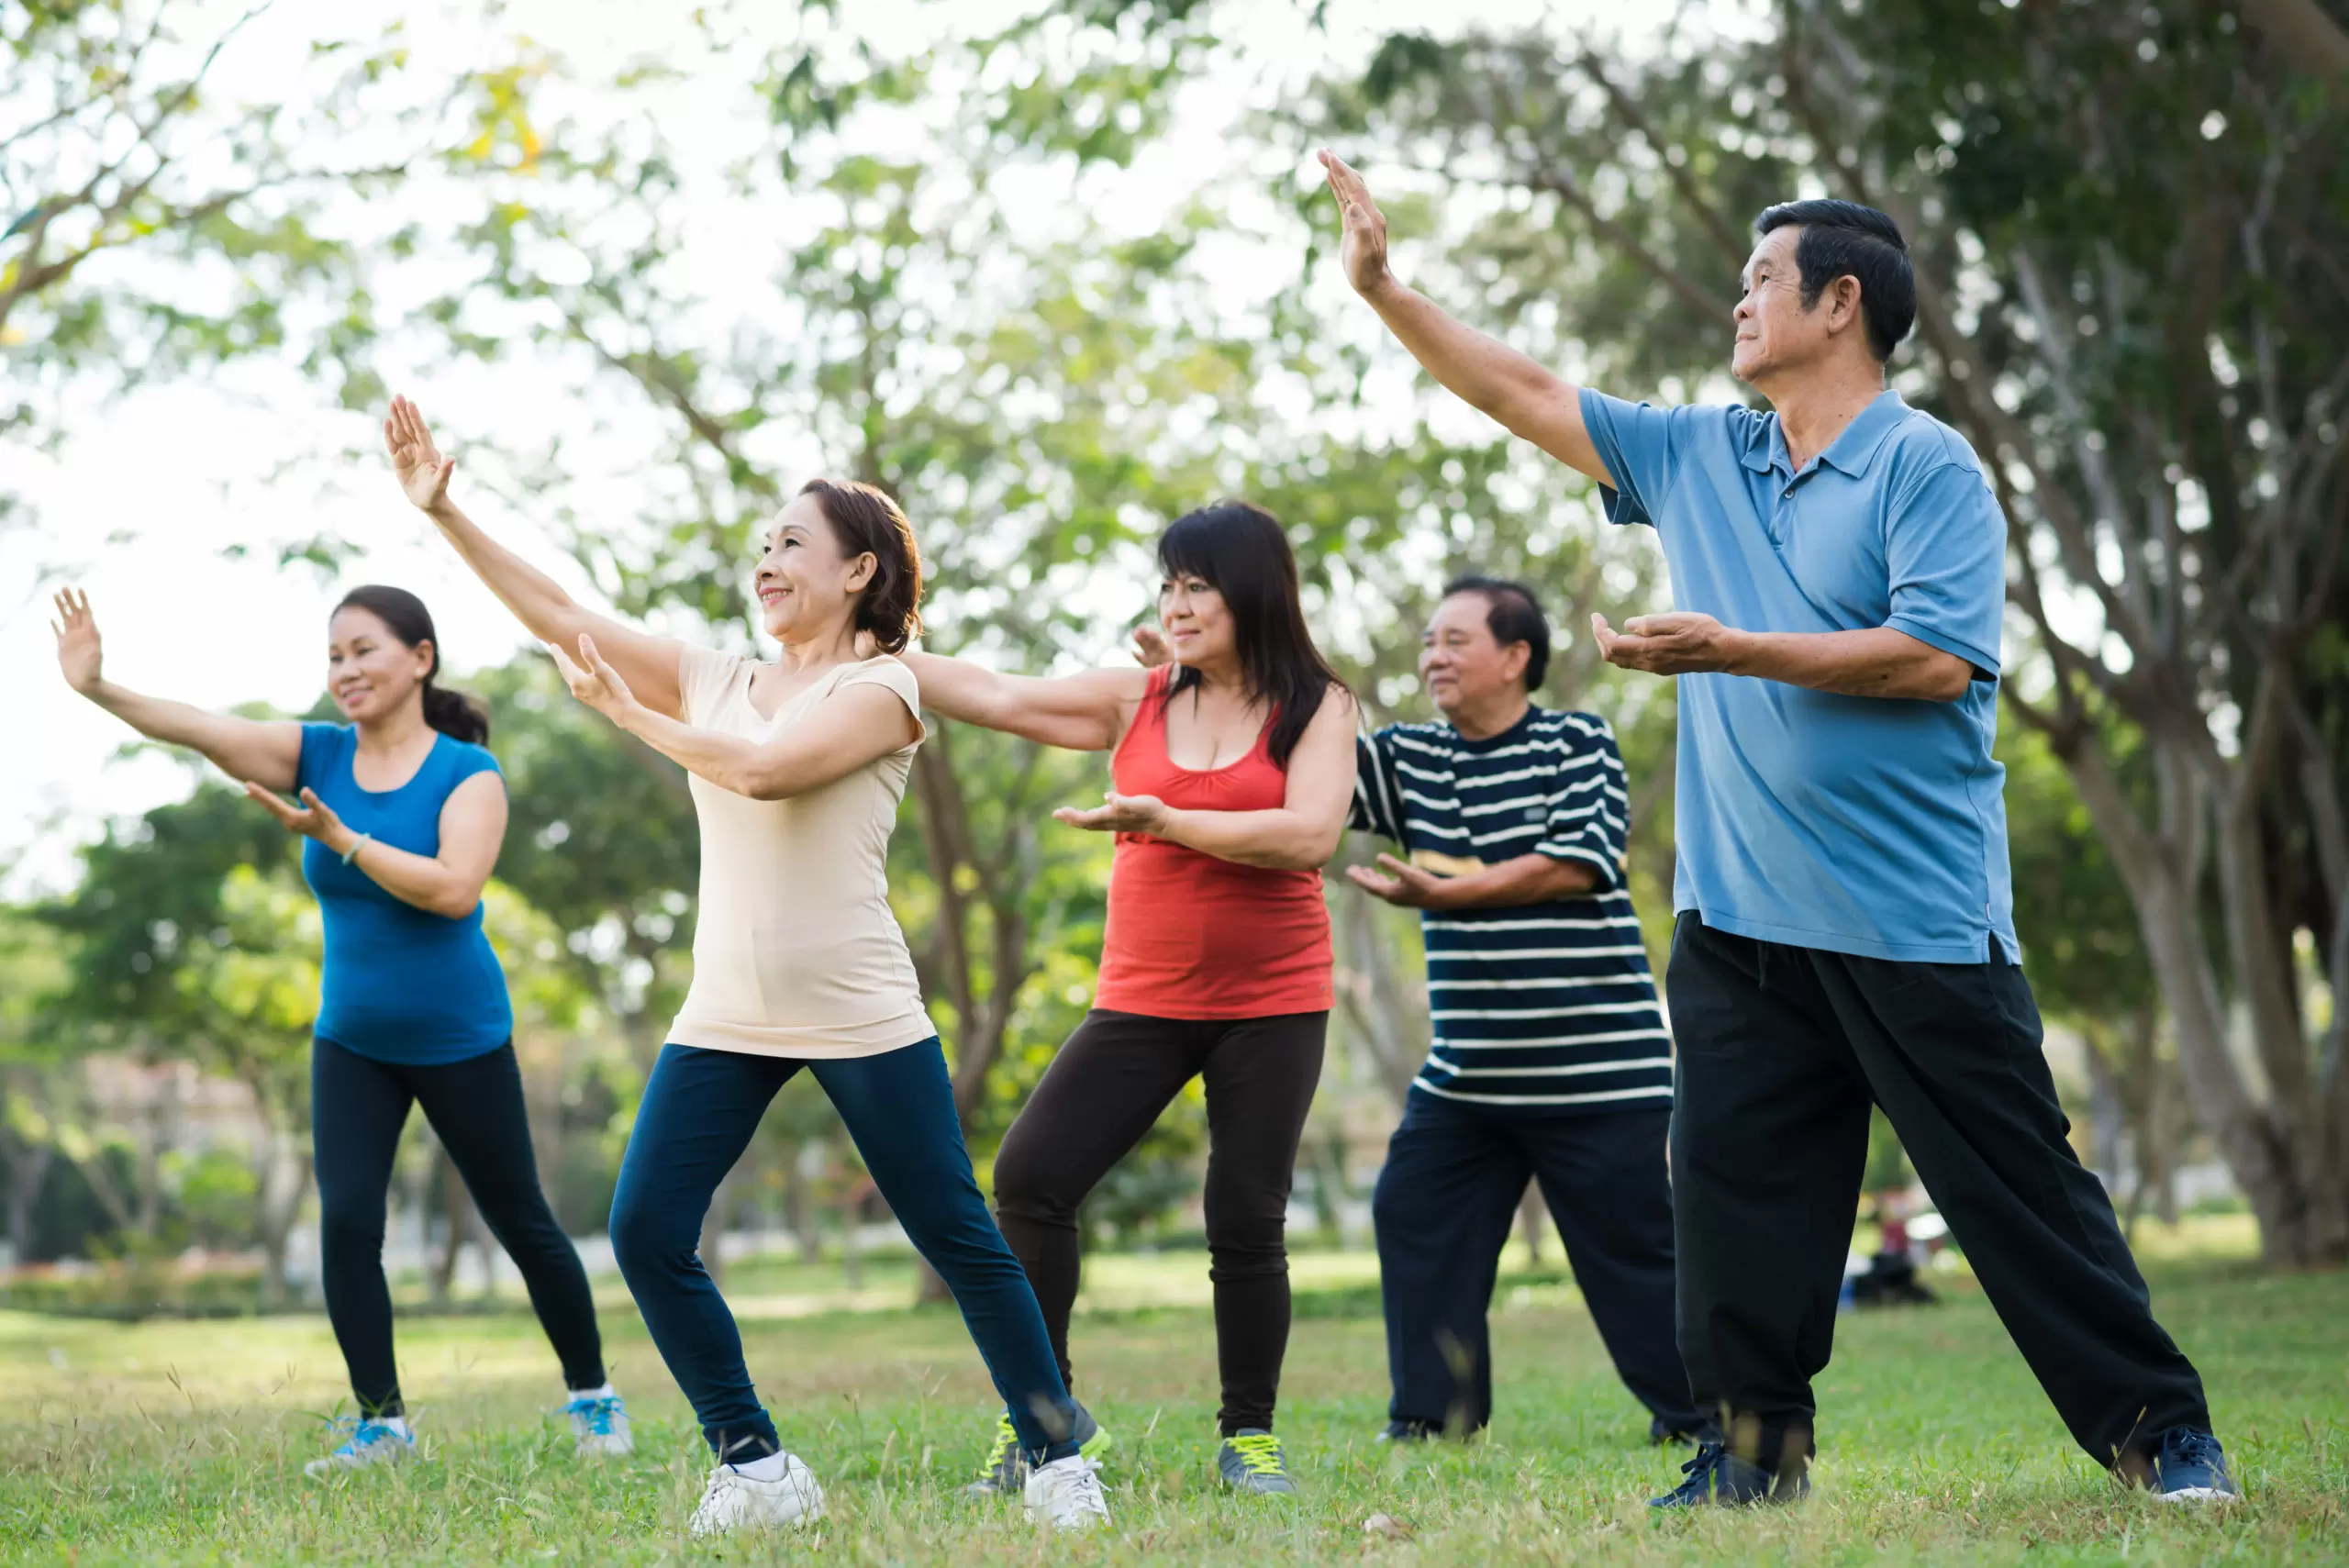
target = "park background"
x: 1053, y: 272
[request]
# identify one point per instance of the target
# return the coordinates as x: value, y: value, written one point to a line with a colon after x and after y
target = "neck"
x: 1813, y: 409
x: 833, y: 643
x: 1482, y: 721
x: 395, y: 729
x: 1223, y: 675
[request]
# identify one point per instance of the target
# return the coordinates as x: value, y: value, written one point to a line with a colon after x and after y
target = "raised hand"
x: 314, y: 818
x: 1149, y: 647
x: 1361, y: 247
x: 423, y: 471
x: 1118, y: 814
x: 595, y: 682
x: 79, y: 653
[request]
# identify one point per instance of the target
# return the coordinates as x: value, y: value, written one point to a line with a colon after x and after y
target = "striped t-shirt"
x: 1539, y: 1009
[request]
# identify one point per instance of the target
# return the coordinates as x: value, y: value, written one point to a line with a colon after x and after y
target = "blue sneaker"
x: 599, y: 1425
x: 371, y: 1443
x: 1719, y: 1478
x: 2190, y: 1467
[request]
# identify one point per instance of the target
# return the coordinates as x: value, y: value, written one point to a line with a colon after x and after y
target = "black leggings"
x: 1100, y: 1097
x: 358, y: 1107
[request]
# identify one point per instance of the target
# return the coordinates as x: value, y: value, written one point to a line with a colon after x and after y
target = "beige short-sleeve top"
x: 796, y: 949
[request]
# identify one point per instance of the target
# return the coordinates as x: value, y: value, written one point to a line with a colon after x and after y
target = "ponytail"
x: 457, y: 715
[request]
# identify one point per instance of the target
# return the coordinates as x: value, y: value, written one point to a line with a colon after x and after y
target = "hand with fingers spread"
x: 423, y: 471
x: 1149, y: 647
x: 1361, y: 245
x: 1118, y: 814
x: 594, y: 681
x: 1678, y: 642
x: 1402, y: 884
x: 314, y: 818
x: 79, y: 653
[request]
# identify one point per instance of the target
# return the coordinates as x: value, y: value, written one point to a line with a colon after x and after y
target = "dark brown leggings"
x: 1100, y: 1097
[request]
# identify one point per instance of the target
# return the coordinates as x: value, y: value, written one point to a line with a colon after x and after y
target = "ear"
x: 1515, y: 658
x: 1842, y: 303
x: 429, y: 659
x: 862, y: 571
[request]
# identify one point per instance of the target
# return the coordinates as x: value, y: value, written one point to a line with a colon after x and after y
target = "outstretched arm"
x: 1522, y: 880
x: 855, y: 725
x: 1301, y: 833
x: 263, y: 751
x: 1483, y: 371
x: 1078, y: 713
x: 538, y: 601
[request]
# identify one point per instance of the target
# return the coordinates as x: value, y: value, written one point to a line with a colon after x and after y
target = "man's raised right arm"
x: 1512, y: 388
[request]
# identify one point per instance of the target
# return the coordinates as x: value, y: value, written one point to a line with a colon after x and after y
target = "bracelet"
x: 355, y: 846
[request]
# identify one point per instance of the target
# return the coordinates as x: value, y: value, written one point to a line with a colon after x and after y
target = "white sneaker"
x: 1067, y: 1494
x: 737, y: 1499
x: 599, y: 1423
x: 370, y: 1442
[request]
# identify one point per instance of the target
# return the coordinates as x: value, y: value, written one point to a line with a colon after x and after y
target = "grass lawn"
x: 184, y: 1442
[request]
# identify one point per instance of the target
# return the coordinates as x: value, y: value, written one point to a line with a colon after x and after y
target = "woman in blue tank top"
x: 404, y: 811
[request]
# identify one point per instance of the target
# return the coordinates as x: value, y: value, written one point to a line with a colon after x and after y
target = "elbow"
x: 458, y: 905
x: 1315, y: 850
x: 1947, y: 679
x: 765, y: 784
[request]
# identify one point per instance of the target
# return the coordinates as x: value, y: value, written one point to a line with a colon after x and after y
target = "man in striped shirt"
x: 1551, y: 1059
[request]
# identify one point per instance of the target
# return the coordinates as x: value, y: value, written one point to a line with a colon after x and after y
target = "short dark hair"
x: 457, y: 715
x: 1514, y: 615
x: 1845, y: 240
x: 868, y: 522
x: 1239, y: 550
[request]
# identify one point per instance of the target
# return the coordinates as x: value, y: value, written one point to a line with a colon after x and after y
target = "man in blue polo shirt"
x: 1550, y: 1057
x: 1843, y: 925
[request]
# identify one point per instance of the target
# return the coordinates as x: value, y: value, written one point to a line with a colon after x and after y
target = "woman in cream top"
x: 797, y: 767
x: 796, y: 952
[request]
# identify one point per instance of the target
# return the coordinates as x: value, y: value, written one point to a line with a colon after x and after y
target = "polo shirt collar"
x: 1851, y: 452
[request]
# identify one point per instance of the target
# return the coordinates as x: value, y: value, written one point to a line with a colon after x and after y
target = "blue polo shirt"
x: 1861, y: 825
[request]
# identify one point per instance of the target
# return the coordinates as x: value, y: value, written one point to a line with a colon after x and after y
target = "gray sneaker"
x: 1005, y: 1473
x: 1251, y: 1461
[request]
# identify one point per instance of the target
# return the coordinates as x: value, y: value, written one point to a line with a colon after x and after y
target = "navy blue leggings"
x: 700, y: 1109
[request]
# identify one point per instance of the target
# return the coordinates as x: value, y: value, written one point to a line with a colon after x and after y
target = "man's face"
x: 1461, y: 665
x: 1775, y: 333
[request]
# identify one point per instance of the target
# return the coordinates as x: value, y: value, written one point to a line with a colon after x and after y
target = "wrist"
x: 342, y: 841
x: 1742, y: 651
x: 1383, y: 290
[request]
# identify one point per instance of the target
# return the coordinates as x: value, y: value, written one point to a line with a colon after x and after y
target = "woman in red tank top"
x: 1232, y: 773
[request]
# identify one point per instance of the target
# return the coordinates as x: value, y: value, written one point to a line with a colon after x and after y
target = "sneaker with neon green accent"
x: 1251, y: 1461
x: 1006, y: 1469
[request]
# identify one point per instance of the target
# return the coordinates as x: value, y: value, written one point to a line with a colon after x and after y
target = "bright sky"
x: 151, y: 492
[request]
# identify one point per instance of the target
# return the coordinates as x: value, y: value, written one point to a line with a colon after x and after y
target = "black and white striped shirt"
x: 1539, y: 1009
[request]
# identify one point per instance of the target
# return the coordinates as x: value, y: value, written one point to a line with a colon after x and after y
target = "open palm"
x: 423, y: 471
x: 79, y: 652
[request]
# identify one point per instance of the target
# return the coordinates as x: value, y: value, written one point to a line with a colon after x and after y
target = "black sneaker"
x: 1412, y: 1431
x: 1719, y: 1478
x: 2190, y: 1467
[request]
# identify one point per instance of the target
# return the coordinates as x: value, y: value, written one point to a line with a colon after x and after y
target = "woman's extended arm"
x: 847, y: 730
x: 1301, y: 833
x: 267, y: 751
x: 1077, y: 713
x: 472, y: 830
x: 651, y: 663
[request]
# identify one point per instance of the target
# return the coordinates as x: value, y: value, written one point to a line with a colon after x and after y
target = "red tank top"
x: 1193, y: 937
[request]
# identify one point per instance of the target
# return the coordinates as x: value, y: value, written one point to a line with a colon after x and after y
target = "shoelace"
x: 1260, y: 1452
x: 1006, y: 1442
x: 2197, y: 1447
x: 1702, y: 1470
x: 596, y: 1413
x: 365, y: 1432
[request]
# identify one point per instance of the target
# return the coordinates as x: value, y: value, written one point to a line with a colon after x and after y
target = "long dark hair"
x: 1237, y: 548
x: 457, y: 715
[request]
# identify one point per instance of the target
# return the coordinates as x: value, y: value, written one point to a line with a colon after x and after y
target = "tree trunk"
x: 455, y: 1202
x: 715, y: 1219
x: 1532, y: 1218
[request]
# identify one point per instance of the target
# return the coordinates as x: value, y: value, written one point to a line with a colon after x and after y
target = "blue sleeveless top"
x: 400, y: 984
